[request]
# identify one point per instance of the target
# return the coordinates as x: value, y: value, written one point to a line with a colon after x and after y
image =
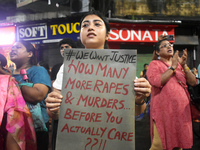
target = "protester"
x: 170, y: 117
x: 16, y: 125
x: 94, y: 34
x: 23, y: 55
x: 143, y: 73
x: 98, y: 28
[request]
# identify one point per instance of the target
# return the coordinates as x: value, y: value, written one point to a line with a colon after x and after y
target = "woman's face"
x: 166, y: 49
x: 93, y: 32
x: 19, y: 53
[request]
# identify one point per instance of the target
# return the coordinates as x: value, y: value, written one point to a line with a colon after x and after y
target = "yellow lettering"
x: 53, y: 27
x: 75, y: 27
x: 63, y: 28
x: 68, y: 28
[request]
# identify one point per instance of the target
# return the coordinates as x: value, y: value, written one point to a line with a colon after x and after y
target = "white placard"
x: 98, y: 107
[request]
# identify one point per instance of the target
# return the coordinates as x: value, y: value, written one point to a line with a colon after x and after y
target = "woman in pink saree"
x: 16, y: 125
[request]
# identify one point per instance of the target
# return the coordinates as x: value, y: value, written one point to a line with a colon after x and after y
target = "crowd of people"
x: 164, y: 78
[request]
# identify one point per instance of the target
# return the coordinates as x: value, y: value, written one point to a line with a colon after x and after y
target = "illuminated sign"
x: 68, y: 28
x: 48, y: 33
x: 7, y: 36
x: 121, y: 32
x: 32, y: 32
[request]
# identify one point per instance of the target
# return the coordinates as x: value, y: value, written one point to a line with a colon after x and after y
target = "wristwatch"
x: 171, y: 68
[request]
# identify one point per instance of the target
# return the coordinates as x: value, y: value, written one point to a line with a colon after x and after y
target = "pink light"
x: 7, y: 36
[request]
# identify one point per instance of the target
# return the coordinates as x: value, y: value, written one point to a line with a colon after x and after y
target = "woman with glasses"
x: 171, y: 122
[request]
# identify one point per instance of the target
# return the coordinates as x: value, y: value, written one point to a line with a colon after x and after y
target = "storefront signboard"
x: 124, y: 32
x: 120, y: 32
x: 48, y: 33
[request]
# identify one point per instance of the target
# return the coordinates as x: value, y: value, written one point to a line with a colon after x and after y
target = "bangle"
x: 140, y: 103
x: 186, y: 69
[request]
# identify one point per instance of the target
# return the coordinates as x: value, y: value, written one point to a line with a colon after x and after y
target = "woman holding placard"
x: 94, y: 34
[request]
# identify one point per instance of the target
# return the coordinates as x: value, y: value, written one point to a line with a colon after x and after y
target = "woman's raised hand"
x: 183, y: 59
x: 175, y: 60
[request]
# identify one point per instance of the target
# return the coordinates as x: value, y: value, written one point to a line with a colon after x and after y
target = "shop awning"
x: 186, y: 40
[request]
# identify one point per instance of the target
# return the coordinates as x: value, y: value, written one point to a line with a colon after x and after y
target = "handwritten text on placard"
x: 97, y: 111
